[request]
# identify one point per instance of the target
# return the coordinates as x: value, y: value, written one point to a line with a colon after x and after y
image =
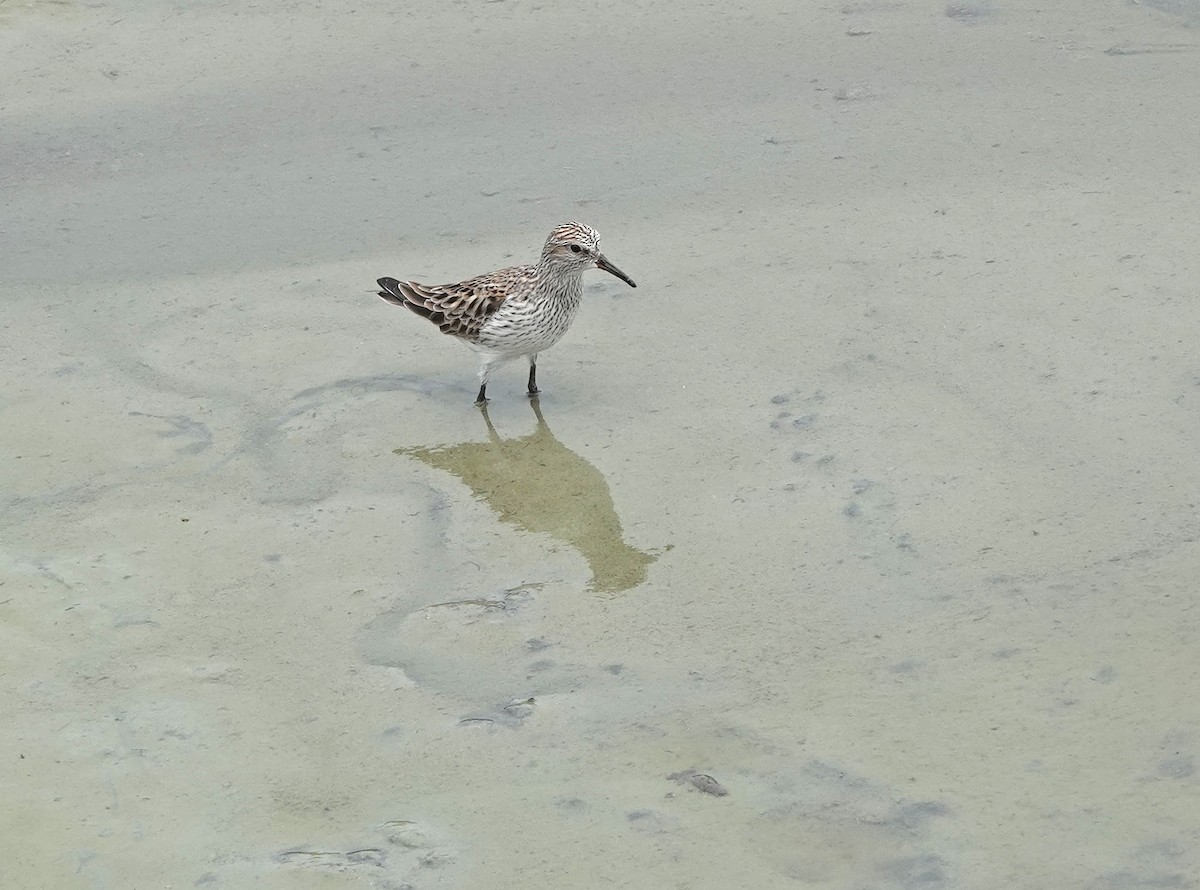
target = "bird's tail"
x: 393, y: 292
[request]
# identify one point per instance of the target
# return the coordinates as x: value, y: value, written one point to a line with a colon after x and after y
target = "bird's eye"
x: 575, y: 248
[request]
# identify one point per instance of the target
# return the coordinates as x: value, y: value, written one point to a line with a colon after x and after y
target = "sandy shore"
x: 856, y: 548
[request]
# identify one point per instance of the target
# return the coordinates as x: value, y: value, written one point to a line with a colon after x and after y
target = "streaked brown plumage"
x: 512, y: 312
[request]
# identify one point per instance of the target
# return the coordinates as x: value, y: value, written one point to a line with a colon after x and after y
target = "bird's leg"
x: 486, y: 362
x: 533, y: 390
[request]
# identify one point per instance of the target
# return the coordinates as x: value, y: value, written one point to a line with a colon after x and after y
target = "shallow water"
x: 537, y: 484
x: 856, y: 548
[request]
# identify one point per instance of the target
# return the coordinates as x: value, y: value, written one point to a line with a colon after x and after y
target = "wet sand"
x: 856, y: 548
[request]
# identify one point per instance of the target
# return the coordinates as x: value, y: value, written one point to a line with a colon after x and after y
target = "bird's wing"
x: 458, y: 309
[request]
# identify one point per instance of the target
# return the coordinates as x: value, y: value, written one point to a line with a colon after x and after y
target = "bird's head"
x: 575, y: 247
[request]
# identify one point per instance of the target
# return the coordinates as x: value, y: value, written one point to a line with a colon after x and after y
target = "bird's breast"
x: 530, y: 324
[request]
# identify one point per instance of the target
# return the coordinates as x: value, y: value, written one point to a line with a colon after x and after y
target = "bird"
x: 513, y: 312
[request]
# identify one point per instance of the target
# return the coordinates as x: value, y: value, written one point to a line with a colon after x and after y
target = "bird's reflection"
x: 538, y: 484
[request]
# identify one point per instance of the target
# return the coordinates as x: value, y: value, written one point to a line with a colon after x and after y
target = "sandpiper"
x: 521, y: 310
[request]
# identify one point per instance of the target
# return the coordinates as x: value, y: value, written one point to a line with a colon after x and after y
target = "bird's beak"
x: 603, y: 263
